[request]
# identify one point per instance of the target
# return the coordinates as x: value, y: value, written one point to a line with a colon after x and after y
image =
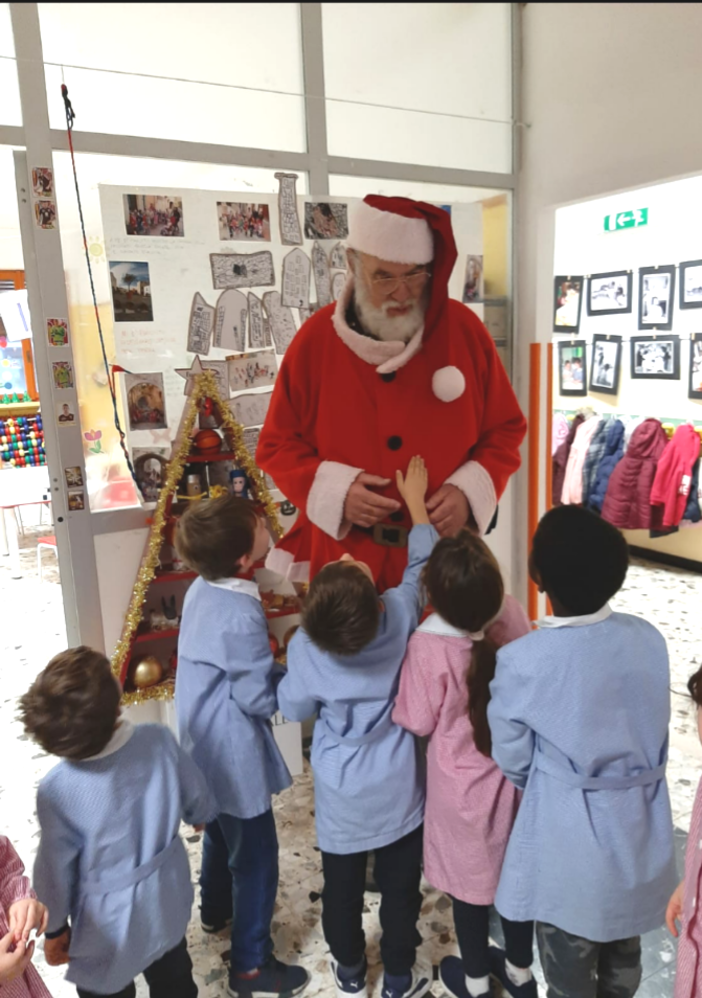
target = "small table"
x: 19, y: 487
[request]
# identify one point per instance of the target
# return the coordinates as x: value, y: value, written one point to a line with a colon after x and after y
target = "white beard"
x: 386, y: 327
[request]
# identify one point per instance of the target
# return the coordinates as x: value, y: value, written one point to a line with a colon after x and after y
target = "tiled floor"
x: 32, y: 630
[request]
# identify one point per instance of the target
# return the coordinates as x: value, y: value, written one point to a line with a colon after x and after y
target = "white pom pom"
x: 448, y: 384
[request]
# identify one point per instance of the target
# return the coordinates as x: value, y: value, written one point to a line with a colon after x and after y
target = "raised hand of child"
x: 13, y: 964
x: 26, y: 915
x: 674, y: 910
x: 413, y: 488
x: 56, y: 949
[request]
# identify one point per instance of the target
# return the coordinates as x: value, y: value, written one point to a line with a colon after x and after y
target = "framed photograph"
x: 244, y: 222
x: 567, y: 304
x: 324, y: 220
x: 691, y: 284
x: 131, y: 291
x: 572, y: 368
x: 695, y: 386
x: 656, y: 290
x: 656, y: 358
x: 609, y: 294
x: 606, y: 364
x: 150, y: 466
x: 153, y: 215
x: 473, y: 289
x: 145, y: 401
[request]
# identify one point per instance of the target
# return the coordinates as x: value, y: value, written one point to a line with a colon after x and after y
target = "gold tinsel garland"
x: 205, y: 386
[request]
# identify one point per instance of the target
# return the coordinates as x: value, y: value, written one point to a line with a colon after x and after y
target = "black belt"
x: 387, y: 535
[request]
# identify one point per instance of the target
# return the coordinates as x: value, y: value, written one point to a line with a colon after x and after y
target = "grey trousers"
x: 577, y: 968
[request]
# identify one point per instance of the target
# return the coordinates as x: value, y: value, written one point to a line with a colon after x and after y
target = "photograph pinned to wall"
x: 325, y: 220
x: 242, y: 270
x: 283, y: 327
x: 251, y: 409
x: 200, y: 325
x: 691, y: 284
x: 338, y: 283
x: 296, y: 279
x: 322, y: 277
x: 218, y: 368
x: 242, y: 221
x: 45, y: 214
x: 473, y: 287
x: 63, y: 374
x: 74, y: 477
x: 256, y: 334
x: 145, y: 401
x: 230, y: 321
x: 610, y: 294
x: 337, y: 258
x: 42, y: 181
x: 57, y: 332
x: 606, y: 364
x: 655, y: 358
x: 572, y: 368
x: 153, y: 215
x: 288, y: 218
x: 76, y: 501
x: 66, y: 414
x: 150, y: 464
x: 656, y: 290
x: 252, y: 370
x: 695, y: 385
x: 131, y: 291
x: 567, y: 304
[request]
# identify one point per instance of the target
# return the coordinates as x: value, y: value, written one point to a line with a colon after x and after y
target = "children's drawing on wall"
x: 296, y: 279
x: 242, y: 270
x: 245, y: 222
x: 200, y: 325
x: 145, y: 401
x: 153, y: 215
x: 218, y: 368
x: 131, y: 291
x: 290, y: 231
x: 230, y: 321
x: 281, y: 319
x: 326, y: 221
x: 322, y: 277
x: 473, y: 290
x: 251, y: 409
x: 252, y: 370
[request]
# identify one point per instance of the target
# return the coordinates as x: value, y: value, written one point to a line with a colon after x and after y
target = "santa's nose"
x: 402, y: 294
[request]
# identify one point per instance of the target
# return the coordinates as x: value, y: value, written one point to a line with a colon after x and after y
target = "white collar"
x: 434, y: 624
x: 246, y: 587
x: 120, y: 736
x: 587, y: 618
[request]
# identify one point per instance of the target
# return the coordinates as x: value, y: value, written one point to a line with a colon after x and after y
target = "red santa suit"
x: 345, y: 403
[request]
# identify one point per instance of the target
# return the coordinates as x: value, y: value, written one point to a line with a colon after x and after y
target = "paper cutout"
x: 145, y: 401
x: 251, y: 409
x: 256, y: 334
x: 325, y: 220
x: 57, y: 332
x: 322, y: 277
x: 337, y: 258
x: 63, y: 374
x: 218, y: 368
x: 200, y: 325
x: 242, y: 270
x: 290, y: 231
x: 282, y: 322
x: 338, y: 282
x: 230, y: 321
x: 252, y: 370
x: 296, y: 279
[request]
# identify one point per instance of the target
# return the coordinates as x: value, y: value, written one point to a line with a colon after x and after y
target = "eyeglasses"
x: 389, y: 285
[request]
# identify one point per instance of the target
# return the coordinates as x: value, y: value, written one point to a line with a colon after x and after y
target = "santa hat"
x: 393, y: 229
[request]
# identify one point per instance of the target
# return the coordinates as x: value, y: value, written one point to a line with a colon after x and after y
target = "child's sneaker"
x: 355, y: 986
x: 420, y: 982
x: 453, y: 976
x: 272, y: 980
x: 498, y: 970
x: 213, y: 925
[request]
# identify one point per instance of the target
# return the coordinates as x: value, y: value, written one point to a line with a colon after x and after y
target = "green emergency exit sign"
x: 626, y: 220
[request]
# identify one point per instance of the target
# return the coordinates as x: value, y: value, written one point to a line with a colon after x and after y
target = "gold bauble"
x: 148, y: 672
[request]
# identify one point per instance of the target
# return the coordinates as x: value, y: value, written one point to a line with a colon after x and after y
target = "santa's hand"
x: 448, y: 510
x: 365, y: 508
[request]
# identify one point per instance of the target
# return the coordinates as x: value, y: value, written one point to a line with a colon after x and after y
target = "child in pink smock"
x: 470, y: 805
x: 685, y: 903
x: 20, y: 913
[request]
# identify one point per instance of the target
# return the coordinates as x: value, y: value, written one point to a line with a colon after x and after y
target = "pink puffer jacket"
x: 628, y: 501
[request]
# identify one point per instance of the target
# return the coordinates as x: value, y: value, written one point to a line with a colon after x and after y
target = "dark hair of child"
x: 694, y: 685
x: 214, y: 534
x: 578, y: 559
x: 465, y: 587
x: 341, y: 612
x: 72, y: 706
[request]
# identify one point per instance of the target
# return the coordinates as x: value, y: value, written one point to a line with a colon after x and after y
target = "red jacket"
x: 628, y: 501
x: 671, y: 486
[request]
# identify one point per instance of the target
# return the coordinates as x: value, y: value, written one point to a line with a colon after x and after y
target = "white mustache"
x: 387, y: 305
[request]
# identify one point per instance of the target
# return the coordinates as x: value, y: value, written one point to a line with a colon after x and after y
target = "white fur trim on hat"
x: 448, y: 383
x: 389, y: 236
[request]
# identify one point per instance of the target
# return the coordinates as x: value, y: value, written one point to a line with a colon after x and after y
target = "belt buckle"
x: 389, y: 536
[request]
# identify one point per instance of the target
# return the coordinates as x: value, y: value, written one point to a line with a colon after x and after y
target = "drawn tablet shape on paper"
x: 200, y: 325
x: 252, y: 370
x: 296, y: 279
x: 338, y: 282
x: 282, y: 322
x: 251, y: 409
x: 256, y: 334
x: 230, y: 322
x: 242, y: 270
x: 337, y: 257
x: 267, y: 339
x: 289, y: 220
x: 322, y: 278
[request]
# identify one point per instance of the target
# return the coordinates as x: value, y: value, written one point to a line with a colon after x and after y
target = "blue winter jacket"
x: 613, y: 453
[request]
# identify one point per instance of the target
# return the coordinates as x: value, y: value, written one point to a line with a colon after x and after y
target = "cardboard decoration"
x: 230, y: 321
x: 283, y: 326
x: 200, y: 325
x: 296, y: 279
x: 290, y: 229
x: 322, y: 277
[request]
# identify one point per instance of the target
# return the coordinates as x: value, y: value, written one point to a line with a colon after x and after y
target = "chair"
x: 45, y: 542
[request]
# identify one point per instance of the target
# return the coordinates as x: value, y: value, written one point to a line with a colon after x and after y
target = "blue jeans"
x: 240, y: 879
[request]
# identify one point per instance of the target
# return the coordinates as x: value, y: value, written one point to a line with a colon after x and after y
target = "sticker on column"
x: 76, y: 501
x: 290, y: 231
x: 322, y: 278
x: 337, y: 257
x: 242, y: 270
x: 63, y: 374
x: 57, y: 332
x: 42, y: 182
x: 200, y: 325
x: 296, y: 279
x: 74, y: 477
x: 282, y: 323
x: 66, y: 414
x: 230, y: 322
x: 256, y: 334
x: 146, y: 401
x: 45, y: 214
x: 338, y: 282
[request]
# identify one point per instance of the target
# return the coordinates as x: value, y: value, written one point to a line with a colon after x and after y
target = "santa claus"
x: 395, y: 368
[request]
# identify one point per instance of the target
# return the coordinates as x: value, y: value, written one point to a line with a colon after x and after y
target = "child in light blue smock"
x: 225, y: 696
x: 579, y: 718
x: 111, y: 867
x: 344, y: 666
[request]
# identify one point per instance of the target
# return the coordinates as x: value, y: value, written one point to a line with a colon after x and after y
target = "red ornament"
x: 275, y: 645
x: 208, y: 442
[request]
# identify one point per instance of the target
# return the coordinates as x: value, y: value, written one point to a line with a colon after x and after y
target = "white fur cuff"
x: 326, y: 499
x: 478, y: 488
